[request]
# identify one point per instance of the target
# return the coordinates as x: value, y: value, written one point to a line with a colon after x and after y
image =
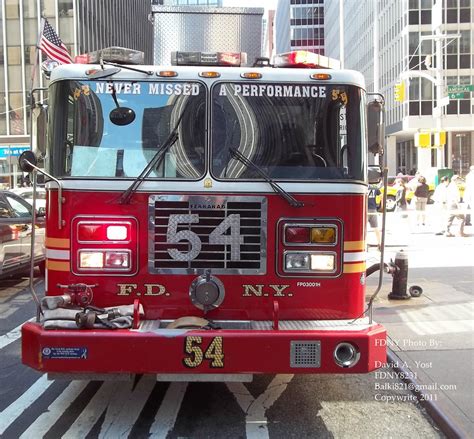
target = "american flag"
x: 52, y: 46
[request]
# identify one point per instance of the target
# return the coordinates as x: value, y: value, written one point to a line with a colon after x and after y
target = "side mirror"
x: 41, y: 212
x: 375, y: 127
x: 375, y: 174
x: 39, y: 122
x: 27, y: 161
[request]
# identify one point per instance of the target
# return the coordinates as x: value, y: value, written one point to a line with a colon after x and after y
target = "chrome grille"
x: 190, y: 220
x: 305, y: 354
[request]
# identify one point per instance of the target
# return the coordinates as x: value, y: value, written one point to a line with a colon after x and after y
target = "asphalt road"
x: 296, y: 406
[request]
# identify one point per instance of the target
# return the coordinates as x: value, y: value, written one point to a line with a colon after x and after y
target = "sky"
x: 267, y: 4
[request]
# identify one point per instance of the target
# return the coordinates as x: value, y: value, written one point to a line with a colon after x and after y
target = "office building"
x: 393, y: 41
x: 299, y: 24
x: 83, y: 26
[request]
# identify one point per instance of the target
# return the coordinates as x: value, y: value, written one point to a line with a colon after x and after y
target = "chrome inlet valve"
x: 206, y: 292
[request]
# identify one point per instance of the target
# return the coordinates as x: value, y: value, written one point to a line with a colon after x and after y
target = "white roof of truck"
x: 191, y: 73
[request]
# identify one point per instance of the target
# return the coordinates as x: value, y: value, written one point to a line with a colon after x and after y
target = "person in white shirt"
x: 439, y: 197
x: 452, y: 200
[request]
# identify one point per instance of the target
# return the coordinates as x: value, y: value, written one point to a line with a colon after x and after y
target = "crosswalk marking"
x: 94, y: 410
x: 13, y: 335
x: 125, y: 407
x: 41, y: 426
x: 255, y: 409
x: 167, y: 413
x: 14, y: 410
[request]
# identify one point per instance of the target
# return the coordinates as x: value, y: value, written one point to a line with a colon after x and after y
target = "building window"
x: 426, y: 108
x: 414, y: 108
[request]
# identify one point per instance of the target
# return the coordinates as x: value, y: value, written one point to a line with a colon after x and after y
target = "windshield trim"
x: 279, y: 179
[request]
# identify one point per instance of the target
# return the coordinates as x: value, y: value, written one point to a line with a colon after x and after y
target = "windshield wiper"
x: 277, y: 188
x: 155, y: 161
x: 126, y: 67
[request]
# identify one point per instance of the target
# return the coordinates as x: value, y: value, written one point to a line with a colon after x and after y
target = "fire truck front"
x: 205, y: 221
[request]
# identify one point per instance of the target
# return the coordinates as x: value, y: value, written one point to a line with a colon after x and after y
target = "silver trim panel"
x: 205, y: 216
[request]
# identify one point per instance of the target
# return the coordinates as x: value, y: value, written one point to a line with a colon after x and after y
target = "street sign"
x: 456, y: 95
x: 460, y: 88
x: 13, y: 150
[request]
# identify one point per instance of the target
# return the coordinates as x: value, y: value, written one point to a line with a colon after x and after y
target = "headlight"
x: 105, y: 260
x: 297, y: 261
x: 324, y: 262
x: 91, y: 259
x: 310, y: 262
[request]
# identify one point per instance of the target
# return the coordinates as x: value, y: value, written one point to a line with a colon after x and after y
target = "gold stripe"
x: 354, y: 268
x: 58, y: 242
x: 354, y: 245
x: 57, y: 265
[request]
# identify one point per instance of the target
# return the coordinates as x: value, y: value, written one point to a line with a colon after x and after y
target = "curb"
x: 444, y: 423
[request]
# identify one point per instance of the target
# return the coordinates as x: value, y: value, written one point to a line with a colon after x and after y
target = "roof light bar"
x: 305, y: 59
x: 119, y: 55
x: 230, y: 59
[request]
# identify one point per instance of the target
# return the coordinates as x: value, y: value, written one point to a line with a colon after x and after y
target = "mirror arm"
x: 60, y: 191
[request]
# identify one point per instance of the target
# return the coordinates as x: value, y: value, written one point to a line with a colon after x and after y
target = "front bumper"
x: 296, y: 347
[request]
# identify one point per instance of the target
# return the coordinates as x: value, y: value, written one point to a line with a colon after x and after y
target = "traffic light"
x: 440, y: 138
x: 400, y: 92
x: 423, y: 140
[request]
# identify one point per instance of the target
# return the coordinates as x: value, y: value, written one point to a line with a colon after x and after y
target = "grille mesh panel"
x: 305, y: 354
x: 212, y: 211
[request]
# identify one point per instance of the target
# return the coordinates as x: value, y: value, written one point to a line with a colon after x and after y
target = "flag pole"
x: 37, y: 55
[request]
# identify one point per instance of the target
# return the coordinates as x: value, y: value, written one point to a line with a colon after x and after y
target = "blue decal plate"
x: 64, y: 353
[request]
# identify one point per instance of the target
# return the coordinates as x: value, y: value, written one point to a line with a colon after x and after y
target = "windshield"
x: 86, y: 140
x: 291, y: 131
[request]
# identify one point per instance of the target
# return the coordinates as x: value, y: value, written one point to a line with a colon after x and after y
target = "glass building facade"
x: 406, y: 43
x: 299, y: 24
x: 82, y: 25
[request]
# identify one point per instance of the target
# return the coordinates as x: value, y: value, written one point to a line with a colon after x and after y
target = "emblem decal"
x: 150, y: 290
x: 258, y: 291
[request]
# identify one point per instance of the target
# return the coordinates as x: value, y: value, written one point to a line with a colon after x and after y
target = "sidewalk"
x: 433, y: 335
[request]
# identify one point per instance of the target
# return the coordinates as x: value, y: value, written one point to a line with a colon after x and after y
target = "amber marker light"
x: 323, y: 235
x: 209, y: 74
x: 321, y: 76
x: 251, y: 75
x: 167, y: 73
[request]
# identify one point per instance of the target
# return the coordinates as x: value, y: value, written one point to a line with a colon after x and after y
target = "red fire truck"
x: 205, y: 220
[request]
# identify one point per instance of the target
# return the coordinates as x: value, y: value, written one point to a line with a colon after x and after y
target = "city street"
x: 421, y: 331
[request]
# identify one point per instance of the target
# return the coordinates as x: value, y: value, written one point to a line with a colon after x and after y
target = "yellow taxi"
x: 392, y: 192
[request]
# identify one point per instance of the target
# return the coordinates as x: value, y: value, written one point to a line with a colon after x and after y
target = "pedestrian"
x: 422, y: 193
x: 452, y: 197
x: 441, y: 209
x: 468, y: 196
x: 401, y: 197
x: 372, y: 214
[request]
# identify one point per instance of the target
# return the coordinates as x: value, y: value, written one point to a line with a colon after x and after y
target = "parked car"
x: 27, y: 194
x: 15, y: 235
x: 392, y: 191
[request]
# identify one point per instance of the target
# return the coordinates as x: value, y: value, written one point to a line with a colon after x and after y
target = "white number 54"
x: 217, y: 236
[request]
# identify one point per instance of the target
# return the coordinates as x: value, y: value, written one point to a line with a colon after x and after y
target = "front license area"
x: 224, y: 234
x: 198, y: 353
